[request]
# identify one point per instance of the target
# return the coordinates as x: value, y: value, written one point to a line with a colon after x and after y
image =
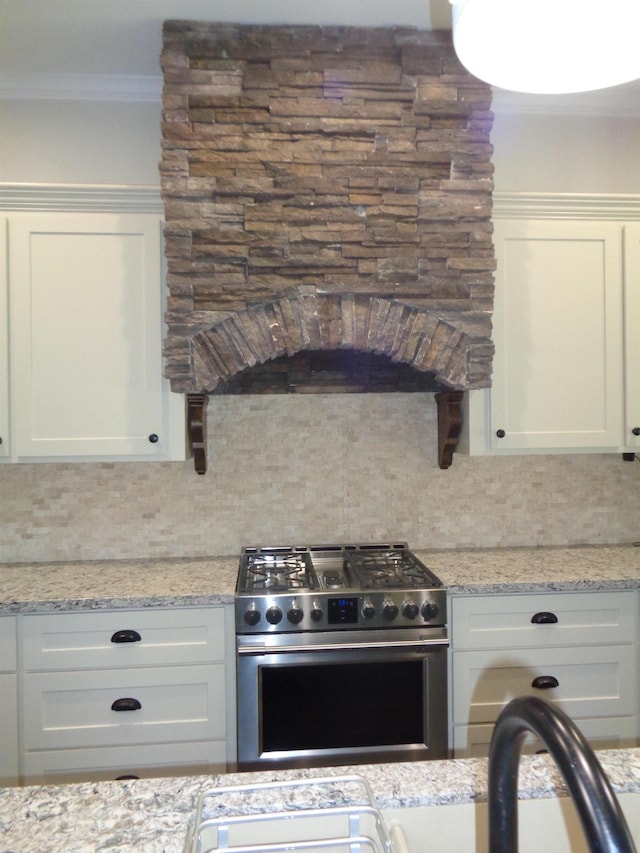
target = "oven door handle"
x: 264, y: 648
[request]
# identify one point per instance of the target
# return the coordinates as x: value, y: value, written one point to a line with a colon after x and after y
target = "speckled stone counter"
x: 30, y: 587
x: 151, y: 816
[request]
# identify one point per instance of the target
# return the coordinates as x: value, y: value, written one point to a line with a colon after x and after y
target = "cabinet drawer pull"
x: 544, y: 618
x: 545, y: 682
x: 126, y: 704
x: 126, y: 777
x: 126, y: 636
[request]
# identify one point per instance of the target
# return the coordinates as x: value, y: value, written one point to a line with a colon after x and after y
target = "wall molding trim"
x: 90, y: 198
x: 103, y: 198
x: 523, y: 205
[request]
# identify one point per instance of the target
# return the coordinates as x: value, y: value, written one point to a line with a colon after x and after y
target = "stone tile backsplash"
x: 301, y: 468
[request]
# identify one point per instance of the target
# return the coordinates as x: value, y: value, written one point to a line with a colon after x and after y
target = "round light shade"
x: 549, y: 46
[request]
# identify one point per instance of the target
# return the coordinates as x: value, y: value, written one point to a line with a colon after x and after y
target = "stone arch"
x: 306, y: 320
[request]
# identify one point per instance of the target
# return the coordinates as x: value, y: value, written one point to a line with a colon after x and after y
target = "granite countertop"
x: 152, y: 815
x: 95, y: 585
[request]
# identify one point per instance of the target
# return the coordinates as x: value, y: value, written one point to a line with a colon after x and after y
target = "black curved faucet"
x: 604, y: 825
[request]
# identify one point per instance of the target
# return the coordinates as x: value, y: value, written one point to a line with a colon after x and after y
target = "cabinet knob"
x: 544, y: 618
x: 500, y: 433
x: 126, y: 636
x: 545, y: 682
x: 126, y: 704
x: 635, y: 431
x: 153, y: 438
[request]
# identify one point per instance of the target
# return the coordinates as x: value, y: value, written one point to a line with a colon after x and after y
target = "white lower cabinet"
x: 8, y: 701
x: 124, y: 693
x: 577, y: 650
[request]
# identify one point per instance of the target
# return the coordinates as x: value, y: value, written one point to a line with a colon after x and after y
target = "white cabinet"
x: 4, y: 344
x: 85, y: 339
x: 8, y: 701
x: 558, y: 333
x: 124, y: 693
x: 577, y: 650
x: 632, y: 336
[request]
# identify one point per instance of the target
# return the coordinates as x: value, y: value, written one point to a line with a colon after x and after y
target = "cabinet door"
x: 557, y: 380
x: 632, y: 335
x: 4, y: 344
x: 86, y: 336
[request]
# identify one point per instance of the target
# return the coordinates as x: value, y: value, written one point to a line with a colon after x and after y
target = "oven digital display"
x: 342, y: 611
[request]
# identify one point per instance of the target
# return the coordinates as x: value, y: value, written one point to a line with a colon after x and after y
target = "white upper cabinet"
x: 558, y: 331
x: 85, y: 362
x: 632, y: 336
x: 4, y: 344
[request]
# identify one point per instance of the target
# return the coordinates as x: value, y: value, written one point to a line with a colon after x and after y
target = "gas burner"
x: 271, y: 573
x: 388, y: 569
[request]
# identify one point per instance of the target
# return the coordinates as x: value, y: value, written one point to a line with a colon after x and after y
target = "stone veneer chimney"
x: 327, y: 190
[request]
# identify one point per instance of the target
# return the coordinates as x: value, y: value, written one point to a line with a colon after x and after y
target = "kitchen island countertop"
x: 151, y: 816
x: 188, y: 582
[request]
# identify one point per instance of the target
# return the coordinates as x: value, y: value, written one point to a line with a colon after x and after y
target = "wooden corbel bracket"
x: 197, y: 430
x: 449, y: 424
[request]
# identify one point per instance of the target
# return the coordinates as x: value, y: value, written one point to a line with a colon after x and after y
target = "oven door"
x: 341, y: 698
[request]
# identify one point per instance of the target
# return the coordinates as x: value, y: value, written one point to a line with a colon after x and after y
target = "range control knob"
x: 368, y: 610
x: 295, y: 614
x: 409, y: 609
x: 252, y: 615
x: 429, y: 610
x: 273, y: 614
x: 316, y: 612
x: 389, y: 609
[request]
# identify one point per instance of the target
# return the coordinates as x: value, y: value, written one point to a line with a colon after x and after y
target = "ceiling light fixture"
x: 549, y: 46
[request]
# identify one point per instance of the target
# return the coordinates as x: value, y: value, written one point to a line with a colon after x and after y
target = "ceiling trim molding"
x: 88, y: 198
x: 103, y: 198
x: 566, y: 206
x: 26, y: 86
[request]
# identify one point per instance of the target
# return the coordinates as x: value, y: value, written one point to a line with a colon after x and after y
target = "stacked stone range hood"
x: 327, y: 197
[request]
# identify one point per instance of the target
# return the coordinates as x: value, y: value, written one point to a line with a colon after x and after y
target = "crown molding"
x: 88, y: 198
x: 104, y: 198
x: 27, y: 86
x: 566, y: 206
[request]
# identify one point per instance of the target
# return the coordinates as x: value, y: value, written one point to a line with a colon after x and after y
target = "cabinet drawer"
x: 601, y: 732
x: 504, y: 621
x: 91, y: 640
x: 58, y: 766
x: 597, y: 683
x: 8, y: 647
x: 74, y: 709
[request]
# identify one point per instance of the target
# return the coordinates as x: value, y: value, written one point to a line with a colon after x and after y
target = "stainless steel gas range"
x: 341, y: 656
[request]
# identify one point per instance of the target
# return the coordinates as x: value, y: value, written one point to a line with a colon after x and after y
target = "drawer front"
x: 597, y: 682
x: 74, y: 709
x: 601, y: 732
x: 90, y: 765
x: 94, y: 640
x: 8, y: 644
x: 505, y: 621
x: 9, y: 730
